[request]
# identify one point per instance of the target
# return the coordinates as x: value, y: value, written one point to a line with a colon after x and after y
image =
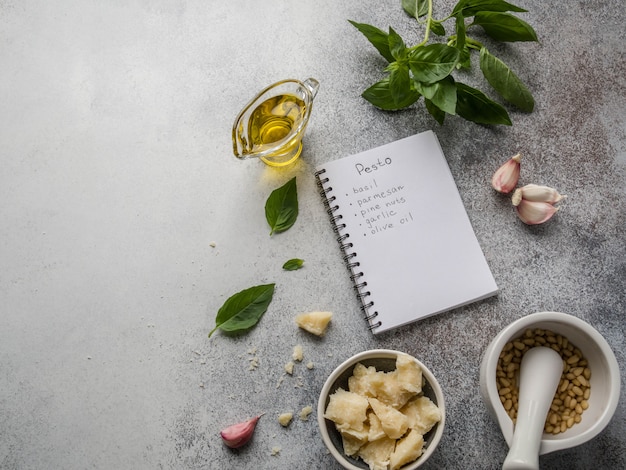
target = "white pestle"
x: 539, y: 376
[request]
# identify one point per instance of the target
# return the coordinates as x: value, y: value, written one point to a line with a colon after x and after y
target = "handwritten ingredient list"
x: 379, y: 208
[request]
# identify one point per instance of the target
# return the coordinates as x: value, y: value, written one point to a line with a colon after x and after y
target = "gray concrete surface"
x: 118, y: 175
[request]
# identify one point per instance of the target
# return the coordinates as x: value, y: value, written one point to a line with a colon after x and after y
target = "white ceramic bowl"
x: 382, y: 360
x: 604, y: 383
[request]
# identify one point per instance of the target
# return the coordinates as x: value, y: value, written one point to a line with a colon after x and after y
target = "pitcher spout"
x: 312, y: 85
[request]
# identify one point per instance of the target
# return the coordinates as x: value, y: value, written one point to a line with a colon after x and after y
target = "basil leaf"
x: 378, y: 38
x: 243, y: 310
x: 380, y: 96
x: 442, y: 94
x: 434, y: 111
x: 399, y: 82
x: 475, y: 106
x: 465, y: 61
x: 437, y: 28
x: 281, y: 207
x: 293, y: 264
x: 464, y: 52
x: 504, y: 27
x: 396, y: 45
x: 460, y: 33
x: 430, y: 64
x: 505, y: 82
x: 471, y: 7
x: 415, y: 8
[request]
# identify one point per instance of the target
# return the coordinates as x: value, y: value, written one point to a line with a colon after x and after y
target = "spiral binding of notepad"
x: 349, y: 256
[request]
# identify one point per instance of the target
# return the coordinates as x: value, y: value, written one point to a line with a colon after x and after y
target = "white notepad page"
x: 405, y: 229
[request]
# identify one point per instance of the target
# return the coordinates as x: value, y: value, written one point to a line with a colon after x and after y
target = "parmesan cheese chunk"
x: 407, y: 450
x: 314, y: 322
x: 422, y: 413
x: 392, y: 421
x: 377, y: 453
x: 347, y: 410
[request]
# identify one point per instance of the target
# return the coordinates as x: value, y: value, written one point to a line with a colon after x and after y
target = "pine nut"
x: 573, y: 359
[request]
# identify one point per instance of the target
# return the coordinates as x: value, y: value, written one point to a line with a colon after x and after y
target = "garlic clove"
x: 517, y: 197
x: 534, y: 212
x: 505, y: 178
x: 239, y: 434
x: 535, y: 192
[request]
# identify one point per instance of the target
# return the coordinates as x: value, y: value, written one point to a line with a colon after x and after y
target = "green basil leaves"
x: 427, y: 69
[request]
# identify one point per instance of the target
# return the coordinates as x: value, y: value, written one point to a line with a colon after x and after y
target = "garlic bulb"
x: 505, y: 178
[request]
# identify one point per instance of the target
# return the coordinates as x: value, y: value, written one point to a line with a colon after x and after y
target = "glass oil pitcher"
x: 271, y: 126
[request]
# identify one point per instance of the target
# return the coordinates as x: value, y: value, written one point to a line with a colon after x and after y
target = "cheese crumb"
x: 305, y: 412
x: 298, y: 354
x: 275, y: 450
x: 289, y: 367
x: 280, y: 381
x: 254, y: 363
x: 254, y: 360
x: 212, y: 244
x: 310, y: 365
x: 285, y: 418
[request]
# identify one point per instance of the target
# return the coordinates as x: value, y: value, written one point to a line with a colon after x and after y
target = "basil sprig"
x: 281, y: 207
x: 427, y: 69
x: 244, y: 309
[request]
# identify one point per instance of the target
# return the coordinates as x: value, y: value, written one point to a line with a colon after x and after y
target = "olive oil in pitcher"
x: 274, y: 119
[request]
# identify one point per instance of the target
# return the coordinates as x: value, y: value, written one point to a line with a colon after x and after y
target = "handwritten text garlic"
x: 239, y: 434
x: 505, y: 178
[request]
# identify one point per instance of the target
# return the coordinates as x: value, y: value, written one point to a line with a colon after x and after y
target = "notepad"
x: 404, y: 232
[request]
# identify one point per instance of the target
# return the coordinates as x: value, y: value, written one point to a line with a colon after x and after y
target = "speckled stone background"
x: 118, y: 175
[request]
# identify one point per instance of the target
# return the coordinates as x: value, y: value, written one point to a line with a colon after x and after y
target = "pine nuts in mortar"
x: 572, y: 394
